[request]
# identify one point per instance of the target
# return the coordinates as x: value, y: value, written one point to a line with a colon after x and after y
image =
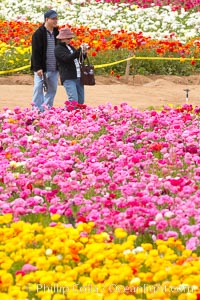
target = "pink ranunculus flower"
x: 173, y: 234
x: 27, y: 268
x: 160, y: 236
x: 161, y: 225
x: 39, y: 209
x: 192, y: 243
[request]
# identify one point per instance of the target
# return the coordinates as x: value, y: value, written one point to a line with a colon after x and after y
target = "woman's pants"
x: 74, y: 90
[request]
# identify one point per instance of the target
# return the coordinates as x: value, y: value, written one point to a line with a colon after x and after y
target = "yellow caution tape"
x: 14, y: 70
x: 145, y: 58
x: 168, y: 58
x: 181, y: 59
x: 114, y: 63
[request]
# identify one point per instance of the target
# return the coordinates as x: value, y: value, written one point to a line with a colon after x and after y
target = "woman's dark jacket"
x: 39, y: 48
x: 65, y: 61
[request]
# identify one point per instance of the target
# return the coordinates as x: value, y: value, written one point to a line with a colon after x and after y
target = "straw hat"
x: 64, y: 33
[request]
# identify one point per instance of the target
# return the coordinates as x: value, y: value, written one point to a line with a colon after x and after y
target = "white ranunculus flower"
x: 49, y: 251
x: 126, y: 252
x: 168, y: 214
x: 107, y: 15
x: 138, y: 250
x: 59, y: 257
x: 158, y: 217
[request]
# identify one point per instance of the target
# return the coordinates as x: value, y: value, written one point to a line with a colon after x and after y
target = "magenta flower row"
x: 115, y: 166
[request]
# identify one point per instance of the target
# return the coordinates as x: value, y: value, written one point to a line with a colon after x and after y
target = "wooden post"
x: 127, y: 71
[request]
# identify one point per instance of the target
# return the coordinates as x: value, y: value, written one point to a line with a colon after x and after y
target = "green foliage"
x: 143, y: 66
x: 15, y: 57
x: 18, y: 57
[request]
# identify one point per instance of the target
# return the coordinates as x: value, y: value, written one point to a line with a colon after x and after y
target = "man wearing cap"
x: 43, y: 62
x: 68, y: 59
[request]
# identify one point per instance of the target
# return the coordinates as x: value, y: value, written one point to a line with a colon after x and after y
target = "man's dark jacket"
x: 39, y: 48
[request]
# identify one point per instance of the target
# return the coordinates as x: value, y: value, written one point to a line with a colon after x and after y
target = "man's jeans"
x: 43, y: 99
x: 74, y: 90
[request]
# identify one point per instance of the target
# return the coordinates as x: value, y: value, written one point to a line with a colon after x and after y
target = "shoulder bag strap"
x: 81, y: 59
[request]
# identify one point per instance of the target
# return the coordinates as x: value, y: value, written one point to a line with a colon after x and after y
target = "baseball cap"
x: 50, y: 14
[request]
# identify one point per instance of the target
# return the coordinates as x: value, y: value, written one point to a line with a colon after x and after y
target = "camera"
x: 85, y: 46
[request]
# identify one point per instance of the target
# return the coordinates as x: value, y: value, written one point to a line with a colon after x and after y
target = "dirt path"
x: 140, y: 92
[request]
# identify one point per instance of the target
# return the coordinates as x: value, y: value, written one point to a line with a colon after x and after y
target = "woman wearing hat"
x: 68, y: 64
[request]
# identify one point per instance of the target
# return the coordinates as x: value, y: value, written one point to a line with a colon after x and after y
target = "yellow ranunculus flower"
x: 17, y: 257
x: 155, y: 293
x: 142, y: 276
x: 159, y: 276
x: 16, y: 175
x: 74, y: 234
x: 106, y: 236
x: 83, y: 227
x: 55, y: 217
x: 111, y: 254
x: 112, y: 296
x: 188, y: 296
x: 6, y: 279
x: 12, y: 121
x: 120, y: 233
x: 192, y: 281
x: 42, y: 263
x: 187, y: 271
x: 47, y: 280
x: 84, y: 280
x: 59, y: 297
x: 39, y: 238
x: 100, y: 256
x: 53, y: 260
x: 162, y: 249
x: 32, y: 287
x: 127, y: 297
x: 153, y: 252
x: 5, y: 219
x: 187, y: 253
x: 135, y: 281
x: 84, y: 240
x: 147, y: 246
x: 45, y: 294
x: 99, y: 238
x: 131, y: 238
x: 91, y: 224
x: 82, y: 268
x: 16, y: 293
x: 175, y: 283
x: 59, y: 268
x: 4, y: 296
x: 6, y: 261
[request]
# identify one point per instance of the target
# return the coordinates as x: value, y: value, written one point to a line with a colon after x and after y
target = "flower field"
x: 102, y: 202
x: 114, y: 31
